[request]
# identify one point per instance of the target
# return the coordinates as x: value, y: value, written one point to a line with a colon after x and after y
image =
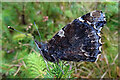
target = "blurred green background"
x: 20, y: 57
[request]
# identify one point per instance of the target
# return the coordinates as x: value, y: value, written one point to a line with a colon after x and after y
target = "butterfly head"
x: 41, y: 46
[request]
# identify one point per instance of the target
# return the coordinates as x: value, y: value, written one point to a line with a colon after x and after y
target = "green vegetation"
x: 20, y: 56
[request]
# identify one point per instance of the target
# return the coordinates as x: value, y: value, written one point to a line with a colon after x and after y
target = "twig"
x: 104, y: 74
x: 89, y: 74
x: 17, y: 70
x: 18, y: 60
x: 98, y: 67
x: 75, y: 67
x: 108, y: 65
x: 106, y: 59
x: 35, y: 52
x: 24, y: 64
x: 114, y: 59
x: 85, y: 68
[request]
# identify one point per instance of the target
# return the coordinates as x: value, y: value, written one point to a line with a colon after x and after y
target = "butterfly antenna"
x: 9, y: 27
x: 38, y: 31
x: 40, y: 49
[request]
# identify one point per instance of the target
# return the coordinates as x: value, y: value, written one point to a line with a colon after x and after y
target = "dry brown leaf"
x: 77, y: 75
x: 84, y: 77
x: 118, y: 71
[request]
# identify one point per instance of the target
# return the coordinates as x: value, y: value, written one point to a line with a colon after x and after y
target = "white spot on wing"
x: 82, y: 50
x: 100, y: 47
x: 100, y: 28
x: 92, y: 41
x: 94, y: 27
x: 80, y: 19
x: 89, y: 36
x: 86, y: 54
x: 61, y: 33
x: 91, y: 13
x: 104, y: 14
x: 98, y: 34
x: 100, y: 41
x: 89, y: 23
x: 104, y: 19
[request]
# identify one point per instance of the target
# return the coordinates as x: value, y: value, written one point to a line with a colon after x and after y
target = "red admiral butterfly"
x: 79, y: 40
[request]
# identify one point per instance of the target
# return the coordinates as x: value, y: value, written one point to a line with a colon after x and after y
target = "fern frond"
x: 35, y: 66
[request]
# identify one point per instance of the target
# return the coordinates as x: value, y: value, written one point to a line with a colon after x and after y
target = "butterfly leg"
x: 56, y: 60
x: 46, y: 62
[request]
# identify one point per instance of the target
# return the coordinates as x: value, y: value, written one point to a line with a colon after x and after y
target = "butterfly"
x: 79, y: 40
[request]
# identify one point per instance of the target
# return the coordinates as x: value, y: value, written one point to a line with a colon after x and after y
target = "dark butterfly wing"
x: 79, y: 40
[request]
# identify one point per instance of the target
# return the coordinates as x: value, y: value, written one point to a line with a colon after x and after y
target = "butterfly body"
x: 79, y: 40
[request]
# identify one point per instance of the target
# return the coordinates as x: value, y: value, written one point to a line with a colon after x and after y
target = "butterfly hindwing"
x: 79, y: 40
